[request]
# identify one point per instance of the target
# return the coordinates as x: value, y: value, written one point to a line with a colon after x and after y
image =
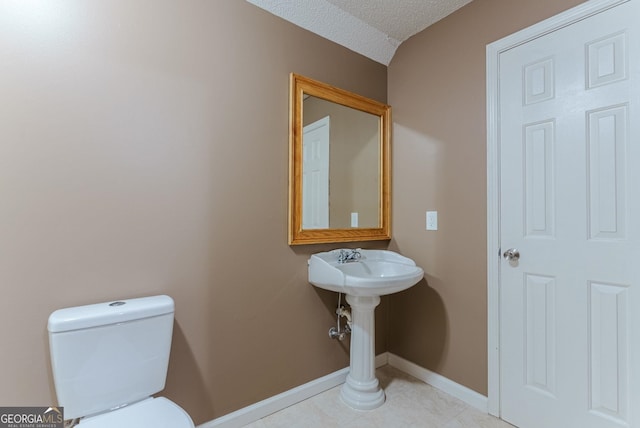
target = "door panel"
x: 570, y: 203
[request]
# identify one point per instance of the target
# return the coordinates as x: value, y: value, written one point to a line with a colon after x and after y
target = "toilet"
x: 108, y: 359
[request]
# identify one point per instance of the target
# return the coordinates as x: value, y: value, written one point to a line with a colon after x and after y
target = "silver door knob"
x: 512, y: 254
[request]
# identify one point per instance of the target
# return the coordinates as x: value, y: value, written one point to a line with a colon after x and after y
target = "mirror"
x: 339, y: 165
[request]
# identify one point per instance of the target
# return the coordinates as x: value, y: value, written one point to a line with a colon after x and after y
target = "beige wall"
x: 143, y: 150
x: 437, y: 89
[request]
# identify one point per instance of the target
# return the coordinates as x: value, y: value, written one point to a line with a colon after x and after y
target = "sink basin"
x: 374, y: 273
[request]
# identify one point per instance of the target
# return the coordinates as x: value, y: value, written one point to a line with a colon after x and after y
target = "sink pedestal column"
x: 362, y: 390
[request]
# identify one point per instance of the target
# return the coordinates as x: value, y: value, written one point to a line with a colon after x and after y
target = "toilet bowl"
x: 108, y: 359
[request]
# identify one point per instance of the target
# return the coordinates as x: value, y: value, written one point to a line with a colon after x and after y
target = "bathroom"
x: 145, y: 151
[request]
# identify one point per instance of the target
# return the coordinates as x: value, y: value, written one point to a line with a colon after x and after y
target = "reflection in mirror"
x: 339, y: 165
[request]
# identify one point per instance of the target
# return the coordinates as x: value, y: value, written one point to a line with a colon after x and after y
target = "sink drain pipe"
x: 338, y: 332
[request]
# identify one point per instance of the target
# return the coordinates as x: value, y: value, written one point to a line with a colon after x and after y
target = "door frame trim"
x: 577, y: 13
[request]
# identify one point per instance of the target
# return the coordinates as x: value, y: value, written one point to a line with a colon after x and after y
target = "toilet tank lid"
x: 88, y: 316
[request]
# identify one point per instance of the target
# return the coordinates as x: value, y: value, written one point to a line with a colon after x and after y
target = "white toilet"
x: 109, y: 358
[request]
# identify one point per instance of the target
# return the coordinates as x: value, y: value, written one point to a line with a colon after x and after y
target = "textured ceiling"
x: 373, y: 28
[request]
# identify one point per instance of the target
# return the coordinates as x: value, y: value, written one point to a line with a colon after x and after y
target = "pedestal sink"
x: 364, y: 276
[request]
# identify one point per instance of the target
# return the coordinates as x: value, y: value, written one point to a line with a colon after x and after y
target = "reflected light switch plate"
x: 354, y: 219
x: 432, y: 220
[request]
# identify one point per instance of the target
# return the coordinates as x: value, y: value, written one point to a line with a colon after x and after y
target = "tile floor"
x: 410, y: 403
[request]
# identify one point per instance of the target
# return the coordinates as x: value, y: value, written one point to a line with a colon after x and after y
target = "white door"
x: 569, y: 138
x: 315, y: 175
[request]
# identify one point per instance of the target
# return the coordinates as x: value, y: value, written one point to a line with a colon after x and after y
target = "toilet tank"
x: 107, y: 355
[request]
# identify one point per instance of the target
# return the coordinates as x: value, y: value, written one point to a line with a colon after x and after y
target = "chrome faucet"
x: 349, y: 255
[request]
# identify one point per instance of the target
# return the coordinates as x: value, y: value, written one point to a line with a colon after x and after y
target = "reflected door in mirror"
x: 315, y: 175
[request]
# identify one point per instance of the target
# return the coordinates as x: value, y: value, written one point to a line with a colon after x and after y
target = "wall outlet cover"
x: 432, y: 220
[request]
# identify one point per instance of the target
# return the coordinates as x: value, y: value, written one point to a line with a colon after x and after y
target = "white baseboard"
x: 440, y: 382
x: 288, y: 398
x: 382, y: 359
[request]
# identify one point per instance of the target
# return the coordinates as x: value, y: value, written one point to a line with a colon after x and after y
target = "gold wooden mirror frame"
x: 301, y: 87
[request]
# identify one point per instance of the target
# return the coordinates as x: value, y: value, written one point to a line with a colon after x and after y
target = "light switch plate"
x: 432, y: 220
